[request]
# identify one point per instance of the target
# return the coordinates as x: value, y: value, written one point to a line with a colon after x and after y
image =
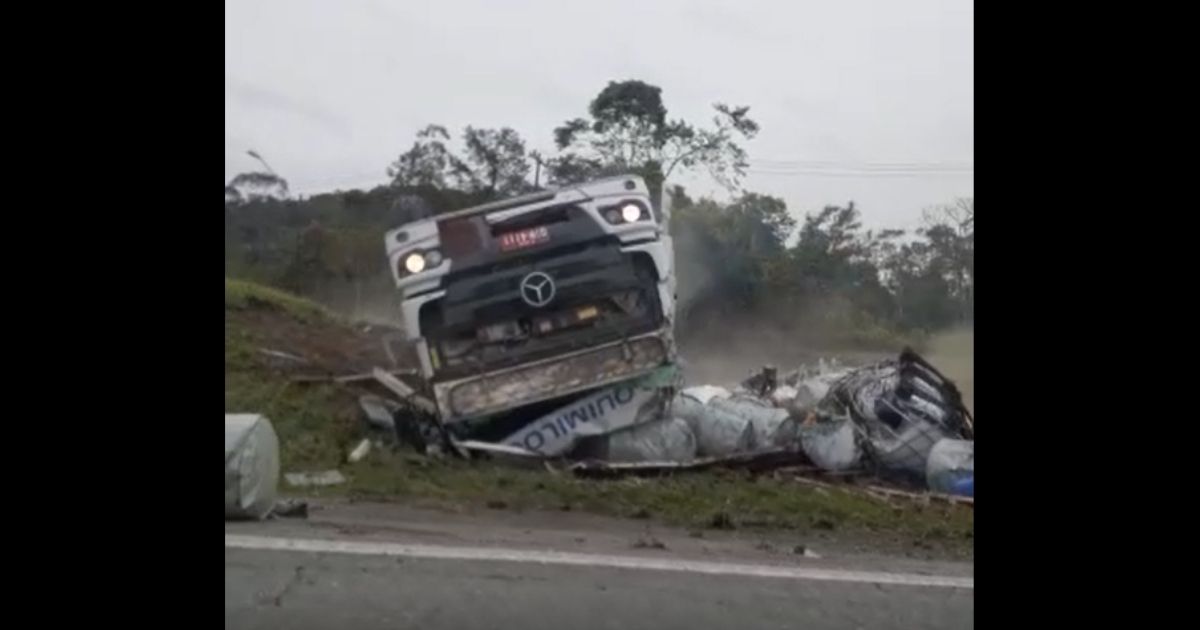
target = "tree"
x: 629, y: 130
x: 950, y: 234
x: 255, y: 186
x: 429, y: 164
x: 499, y: 160
x: 727, y: 254
x: 496, y: 164
x: 762, y: 221
x: 835, y: 262
x: 316, y: 259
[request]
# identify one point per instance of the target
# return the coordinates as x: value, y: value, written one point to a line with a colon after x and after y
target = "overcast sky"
x: 870, y: 100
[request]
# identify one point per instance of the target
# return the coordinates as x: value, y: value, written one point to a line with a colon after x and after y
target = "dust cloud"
x: 953, y: 354
x: 728, y: 357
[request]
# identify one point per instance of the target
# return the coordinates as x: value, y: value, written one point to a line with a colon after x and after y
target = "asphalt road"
x: 273, y: 589
x: 362, y: 578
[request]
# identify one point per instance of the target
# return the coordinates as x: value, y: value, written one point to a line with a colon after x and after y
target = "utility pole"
x: 537, y: 173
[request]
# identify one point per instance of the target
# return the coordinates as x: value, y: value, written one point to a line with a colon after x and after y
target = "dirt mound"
x: 326, y: 347
x: 291, y: 335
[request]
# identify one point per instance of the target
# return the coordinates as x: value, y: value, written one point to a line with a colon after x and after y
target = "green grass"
x: 706, y: 500
x: 243, y: 295
x: 318, y: 425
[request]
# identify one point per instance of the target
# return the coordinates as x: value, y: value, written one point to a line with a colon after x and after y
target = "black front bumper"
x: 620, y: 289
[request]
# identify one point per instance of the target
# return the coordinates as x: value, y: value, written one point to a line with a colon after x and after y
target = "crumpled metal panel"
x: 551, y: 378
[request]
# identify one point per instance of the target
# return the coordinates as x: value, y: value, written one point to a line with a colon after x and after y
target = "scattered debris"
x: 401, y: 389
x: 764, y: 383
x: 783, y: 395
x: 379, y: 412
x: 498, y: 449
x: 290, y: 508
x: 922, y: 497
x: 705, y: 393
x: 898, y: 420
x: 323, y: 478
x: 753, y: 462
x: 648, y: 541
x: 279, y: 358
x: 347, y: 379
x: 359, y: 451
x: 802, y: 550
x: 251, y: 466
x: 721, y: 520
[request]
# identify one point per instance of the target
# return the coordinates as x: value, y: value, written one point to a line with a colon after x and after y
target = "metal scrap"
x: 346, y: 379
x: 401, y: 389
x: 900, y: 409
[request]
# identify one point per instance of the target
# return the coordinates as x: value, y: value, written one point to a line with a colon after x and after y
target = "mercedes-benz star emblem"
x: 537, y: 289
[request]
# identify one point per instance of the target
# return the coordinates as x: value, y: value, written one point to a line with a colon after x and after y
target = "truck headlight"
x: 415, y: 262
x: 627, y: 212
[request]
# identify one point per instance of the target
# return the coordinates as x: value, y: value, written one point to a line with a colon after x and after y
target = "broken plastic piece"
x: 705, y: 393
x: 378, y: 412
x: 323, y: 478
x: 359, y: 451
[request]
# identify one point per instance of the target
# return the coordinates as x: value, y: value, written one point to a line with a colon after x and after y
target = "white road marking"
x: 439, y: 552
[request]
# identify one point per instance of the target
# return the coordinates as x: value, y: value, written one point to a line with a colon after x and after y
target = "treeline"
x: 745, y: 260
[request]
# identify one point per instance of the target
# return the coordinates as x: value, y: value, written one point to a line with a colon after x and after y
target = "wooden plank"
x: 923, y: 496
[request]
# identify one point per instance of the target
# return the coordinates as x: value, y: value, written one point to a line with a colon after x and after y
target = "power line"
x: 880, y: 169
x: 859, y: 174
x: 855, y: 163
x: 861, y: 170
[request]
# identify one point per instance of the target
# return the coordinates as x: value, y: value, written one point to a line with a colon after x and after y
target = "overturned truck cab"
x: 538, y: 297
